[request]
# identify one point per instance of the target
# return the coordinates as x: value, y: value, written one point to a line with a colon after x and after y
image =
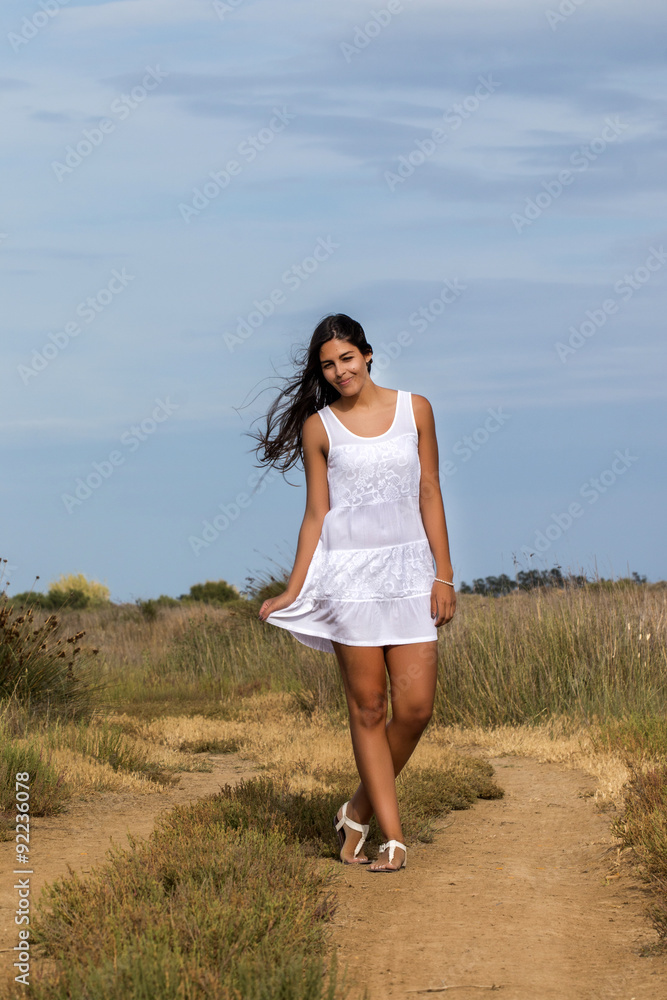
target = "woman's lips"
x: 346, y: 381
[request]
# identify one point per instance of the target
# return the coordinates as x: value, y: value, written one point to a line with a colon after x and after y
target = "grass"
x: 643, y: 828
x: 640, y: 737
x: 49, y: 791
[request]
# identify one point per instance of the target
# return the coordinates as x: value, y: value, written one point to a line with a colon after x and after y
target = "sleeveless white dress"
x: 370, y: 578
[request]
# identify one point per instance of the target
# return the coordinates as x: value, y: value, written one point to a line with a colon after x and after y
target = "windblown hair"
x: 304, y: 394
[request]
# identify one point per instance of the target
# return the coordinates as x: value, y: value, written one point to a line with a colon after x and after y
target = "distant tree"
x: 496, y: 586
x: 212, y: 592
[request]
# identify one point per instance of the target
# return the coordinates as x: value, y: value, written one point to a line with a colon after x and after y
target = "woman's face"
x: 344, y: 366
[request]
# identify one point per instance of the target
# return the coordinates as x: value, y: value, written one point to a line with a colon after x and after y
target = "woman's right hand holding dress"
x: 276, y: 604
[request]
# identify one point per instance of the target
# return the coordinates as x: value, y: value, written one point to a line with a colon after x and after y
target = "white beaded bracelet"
x: 444, y: 581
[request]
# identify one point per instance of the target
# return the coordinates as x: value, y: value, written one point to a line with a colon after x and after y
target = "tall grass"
x: 583, y: 652
x: 588, y: 653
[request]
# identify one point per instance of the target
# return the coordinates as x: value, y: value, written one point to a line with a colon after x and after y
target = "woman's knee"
x: 414, y: 719
x: 369, y: 710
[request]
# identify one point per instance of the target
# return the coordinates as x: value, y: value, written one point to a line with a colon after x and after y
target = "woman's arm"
x: 314, y: 439
x: 317, y: 501
x: 433, y: 510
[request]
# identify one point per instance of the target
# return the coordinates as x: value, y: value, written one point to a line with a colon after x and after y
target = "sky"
x: 189, y: 187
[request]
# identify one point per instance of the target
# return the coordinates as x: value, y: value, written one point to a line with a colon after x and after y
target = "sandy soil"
x: 522, y: 895
x: 512, y: 896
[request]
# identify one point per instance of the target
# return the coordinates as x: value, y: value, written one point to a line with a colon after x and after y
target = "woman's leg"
x: 364, y: 678
x: 413, y: 672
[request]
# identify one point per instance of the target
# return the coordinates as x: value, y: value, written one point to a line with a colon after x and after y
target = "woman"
x: 363, y: 583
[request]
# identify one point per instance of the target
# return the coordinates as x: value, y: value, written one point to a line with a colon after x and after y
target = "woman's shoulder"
x: 420, y: 403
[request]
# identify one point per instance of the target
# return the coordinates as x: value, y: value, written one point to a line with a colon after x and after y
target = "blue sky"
x: 170, y: 165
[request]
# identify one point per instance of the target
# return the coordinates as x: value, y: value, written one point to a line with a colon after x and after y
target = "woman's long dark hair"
x: 304, y: 394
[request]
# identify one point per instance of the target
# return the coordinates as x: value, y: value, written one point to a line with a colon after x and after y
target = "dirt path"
x: 81, y: 836
x: 512, y: 894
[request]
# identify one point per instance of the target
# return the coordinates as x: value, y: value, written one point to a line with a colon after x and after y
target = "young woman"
x: 363, y: 584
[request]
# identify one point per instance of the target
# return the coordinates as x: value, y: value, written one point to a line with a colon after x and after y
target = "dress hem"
x: 321, y: 635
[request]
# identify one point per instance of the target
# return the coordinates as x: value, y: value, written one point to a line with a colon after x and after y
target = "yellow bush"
x: 96, y: 592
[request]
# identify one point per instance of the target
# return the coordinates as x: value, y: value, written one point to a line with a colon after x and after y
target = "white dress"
x: 370, y: 577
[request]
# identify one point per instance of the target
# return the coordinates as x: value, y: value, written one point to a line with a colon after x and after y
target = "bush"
x: 92, y: 592
x: 37, y: 666
x: 151, y: 607
x: 212, y: 592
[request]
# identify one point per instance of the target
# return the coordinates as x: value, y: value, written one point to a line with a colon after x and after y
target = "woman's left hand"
x: 443, y: 603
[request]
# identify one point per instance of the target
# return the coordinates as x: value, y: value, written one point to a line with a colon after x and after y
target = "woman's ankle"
x: 357, y: 815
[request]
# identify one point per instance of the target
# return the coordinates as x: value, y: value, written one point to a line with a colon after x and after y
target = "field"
x: 223, y: 744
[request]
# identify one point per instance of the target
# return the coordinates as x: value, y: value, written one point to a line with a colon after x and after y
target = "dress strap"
x: 403, y: 423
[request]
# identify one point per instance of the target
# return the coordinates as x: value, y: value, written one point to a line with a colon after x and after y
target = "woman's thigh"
x: 364, y: 673
x: 413, y: 672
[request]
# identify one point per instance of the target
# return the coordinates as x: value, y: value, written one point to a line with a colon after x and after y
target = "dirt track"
x: 512, y: 894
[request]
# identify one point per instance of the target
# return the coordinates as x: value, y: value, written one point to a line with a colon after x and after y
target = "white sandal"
x: 392, y: 845
x: 362, y: 828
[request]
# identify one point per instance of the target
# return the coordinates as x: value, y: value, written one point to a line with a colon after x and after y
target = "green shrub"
x: 212, y: 592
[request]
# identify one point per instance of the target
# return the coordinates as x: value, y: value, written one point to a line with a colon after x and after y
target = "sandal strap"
x: 361, y: 828
x: 392, y: 845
